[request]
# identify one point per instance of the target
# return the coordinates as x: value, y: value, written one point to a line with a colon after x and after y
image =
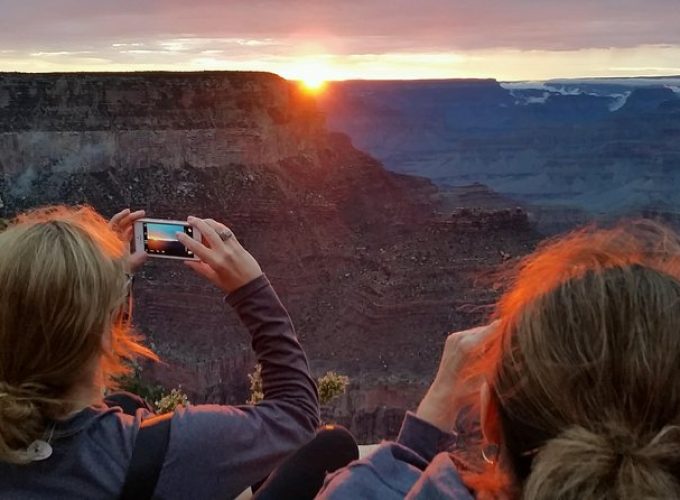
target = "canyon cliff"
x: 572, y: 149
x: 375, y: 267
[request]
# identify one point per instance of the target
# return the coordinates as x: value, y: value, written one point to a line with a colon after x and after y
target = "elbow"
x: 309, y: 405
x: 313, y: 415
x: 303, y: 417
x: 316, y: 420
x: 311, y: 419
x: 305, y: 429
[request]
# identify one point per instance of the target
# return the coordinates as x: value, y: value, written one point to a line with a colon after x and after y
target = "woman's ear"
x: 488, y: 407
x: 107, y: 339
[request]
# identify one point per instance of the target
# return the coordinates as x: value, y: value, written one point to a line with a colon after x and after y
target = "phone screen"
x: 160, y: 239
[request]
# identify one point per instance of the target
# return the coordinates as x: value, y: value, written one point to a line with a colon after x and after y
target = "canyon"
x: 375, y: 267
x: 574, y: 149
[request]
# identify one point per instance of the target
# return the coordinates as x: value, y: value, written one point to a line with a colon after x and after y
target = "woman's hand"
x: 223, y: 260
x: 123, y: 224
x: 442, y: 403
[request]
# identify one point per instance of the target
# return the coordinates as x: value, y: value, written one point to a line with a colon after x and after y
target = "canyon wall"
x: 374, y: 267
x: 600, y: 147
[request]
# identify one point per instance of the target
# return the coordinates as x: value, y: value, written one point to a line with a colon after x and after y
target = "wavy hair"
x: 584, y: 369
x: 62, y: 292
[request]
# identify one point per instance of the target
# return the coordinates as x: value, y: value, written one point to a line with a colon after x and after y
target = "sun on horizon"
x: 313, y: 84
x: 312, y: 74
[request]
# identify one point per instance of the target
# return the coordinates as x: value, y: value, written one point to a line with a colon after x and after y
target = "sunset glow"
x: 311, y: 72
x: 503, y: 64
x: 313, y: 84
x: 313, y: 42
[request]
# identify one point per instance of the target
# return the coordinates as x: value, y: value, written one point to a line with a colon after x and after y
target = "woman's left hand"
x: 123, y: 224
x: 449, y: 392
x: 224, y: 261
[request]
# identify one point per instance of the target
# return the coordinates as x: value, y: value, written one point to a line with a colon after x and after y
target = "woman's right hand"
x: 223, y: 260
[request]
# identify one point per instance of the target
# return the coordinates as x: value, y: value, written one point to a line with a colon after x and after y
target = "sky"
x: 346, y: 39
x: 164, y: 232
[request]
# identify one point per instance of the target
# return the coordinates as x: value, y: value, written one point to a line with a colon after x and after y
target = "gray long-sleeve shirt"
x: 214, y: 451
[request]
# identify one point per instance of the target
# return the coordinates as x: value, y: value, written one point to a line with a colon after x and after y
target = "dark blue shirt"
x: 214, y: 451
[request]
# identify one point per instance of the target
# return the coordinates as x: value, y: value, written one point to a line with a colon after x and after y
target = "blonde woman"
x: 64, y: 275
x: 577, y: 385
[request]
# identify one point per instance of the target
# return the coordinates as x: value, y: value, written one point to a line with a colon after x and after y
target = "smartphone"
x: 157, y: 237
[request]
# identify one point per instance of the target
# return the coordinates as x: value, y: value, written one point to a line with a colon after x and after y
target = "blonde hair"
x: 585, y: 369
x: 62, y: 289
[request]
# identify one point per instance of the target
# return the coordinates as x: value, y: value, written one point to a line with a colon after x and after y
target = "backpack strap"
x: 147, y: 458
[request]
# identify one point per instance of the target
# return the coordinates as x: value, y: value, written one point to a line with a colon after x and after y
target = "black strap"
x: 147, y: 458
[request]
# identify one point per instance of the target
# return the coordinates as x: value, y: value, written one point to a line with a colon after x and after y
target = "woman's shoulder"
x: 98, y: 419
x: 440, y: 480
x: 395, y: 471
x: 96, y: 442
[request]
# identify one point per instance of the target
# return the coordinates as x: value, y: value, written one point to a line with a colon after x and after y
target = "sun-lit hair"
x: 584, y: 369
x: 62, y: 289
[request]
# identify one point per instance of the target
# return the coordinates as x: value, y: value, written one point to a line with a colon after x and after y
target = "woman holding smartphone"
x: 64, y: 336
x: 575, y: 389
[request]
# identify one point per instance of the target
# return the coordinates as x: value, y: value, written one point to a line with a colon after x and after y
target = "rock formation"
x: 604, y: 147
x: 374, y: 269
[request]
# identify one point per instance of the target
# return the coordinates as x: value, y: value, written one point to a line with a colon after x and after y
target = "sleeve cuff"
x: 424, y: 438
x: 241, y: 294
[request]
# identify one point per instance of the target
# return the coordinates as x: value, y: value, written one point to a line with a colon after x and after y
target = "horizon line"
x: 330, y: 81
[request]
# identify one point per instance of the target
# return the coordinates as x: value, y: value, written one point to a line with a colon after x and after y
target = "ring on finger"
x: 225, y: 235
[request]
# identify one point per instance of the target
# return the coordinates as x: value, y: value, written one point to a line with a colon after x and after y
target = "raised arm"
x: 414, y: 464
x: 285, y: 372
x: 224, y: 449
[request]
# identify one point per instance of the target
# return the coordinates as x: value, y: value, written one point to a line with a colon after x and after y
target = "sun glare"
x: 312, y: 74
x: 313, y: 83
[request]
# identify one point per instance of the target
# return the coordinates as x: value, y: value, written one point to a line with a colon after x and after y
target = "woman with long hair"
x: 576, y: 385
x: 65, y: 336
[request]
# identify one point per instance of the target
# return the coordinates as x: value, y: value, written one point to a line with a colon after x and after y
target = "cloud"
x: 347, y: 26
x: 118, y: 45
x: 641, y: 70
x: 511, y: 39
x: 60, y: 53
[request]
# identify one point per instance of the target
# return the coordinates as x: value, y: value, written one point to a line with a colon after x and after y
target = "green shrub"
x: 331, y: 386
x: 135, y: 383
x: 256, y: 394
x: 168, y: 403
x: 163, y: 400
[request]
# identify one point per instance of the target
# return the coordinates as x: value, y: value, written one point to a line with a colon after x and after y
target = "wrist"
x: 435, y: 411
x: 243, y: 292
x: 439, y: 407
x: 424, y: 438
x: 242, y: 282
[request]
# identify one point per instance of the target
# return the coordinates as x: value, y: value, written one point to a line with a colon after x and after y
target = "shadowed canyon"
x: 571, y: 150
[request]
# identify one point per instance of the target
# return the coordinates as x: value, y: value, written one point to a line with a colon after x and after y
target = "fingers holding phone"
x: 223, y: 260
x: 123, y: 224
x: 158, y: 238
x: 209, y: 247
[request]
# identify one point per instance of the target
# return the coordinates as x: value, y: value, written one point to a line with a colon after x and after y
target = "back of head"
x: 63, y: 285
x: 585, y: 367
